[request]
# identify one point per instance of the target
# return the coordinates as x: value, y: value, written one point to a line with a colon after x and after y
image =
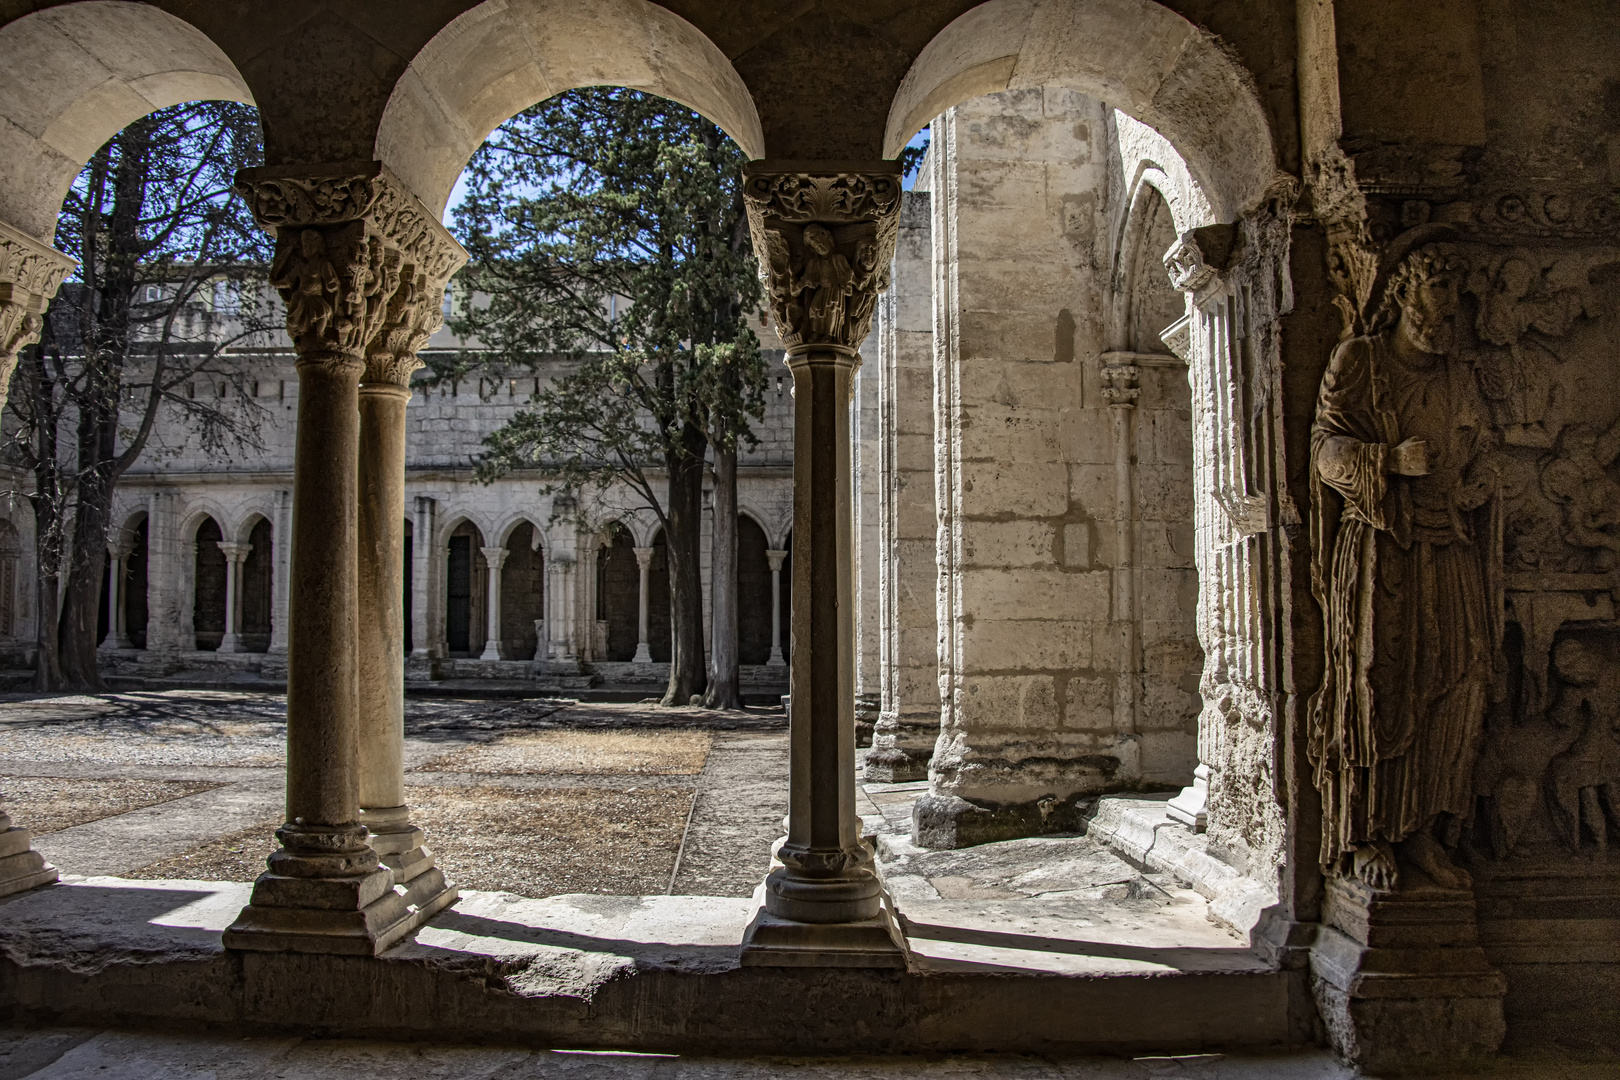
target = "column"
x: 344, y: 238
x: 775, y: 559
x: 30, y: 274
x: 644, y: 561
x: 234, y: 556
x: 823, y: 903
x: 1121, y: 389
x: 280, y: 572
x: 425, y: 623
x: 908, y: 725
x: 117, y: 632
x: 495, y: 557
x: 385, y: 393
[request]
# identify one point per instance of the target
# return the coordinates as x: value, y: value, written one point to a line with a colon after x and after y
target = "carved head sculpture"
x: 1576, y: 664
x: 818, y: 238
x: 1421, y: 300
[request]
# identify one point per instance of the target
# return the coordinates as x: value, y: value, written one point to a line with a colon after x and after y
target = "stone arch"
x: 1145, y: 302
x: 618, y: 592
x: 73, y: 75
x: 208, y: 574
x: 465, y: 586
x: 659, y: 633
x: 523, y: 588
x: 1136, y: 54
x: 502, y: 56
x: 753, y: 589
x: 255, y: 599
x: 10, y: 580
x: 132, y: 592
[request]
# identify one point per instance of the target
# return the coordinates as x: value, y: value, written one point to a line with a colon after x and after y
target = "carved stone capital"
x: 1199, y: 255
x: 30, y: 274
x: 825, y: 239
x: 233, y: 552
x: 1121, y: 385
x: 358, y: 258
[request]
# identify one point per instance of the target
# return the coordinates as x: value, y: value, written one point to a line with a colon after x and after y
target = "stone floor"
x: 64, y: 1053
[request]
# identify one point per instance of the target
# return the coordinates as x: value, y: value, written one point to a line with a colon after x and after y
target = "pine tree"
x: 606, y: 229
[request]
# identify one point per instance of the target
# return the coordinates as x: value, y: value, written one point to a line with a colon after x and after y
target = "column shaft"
x: 381, y: 639
x: 775, y: 558
x: 495, y: 558
x: 643, y: 641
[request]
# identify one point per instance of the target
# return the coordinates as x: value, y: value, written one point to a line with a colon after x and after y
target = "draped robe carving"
x: 1407, y: 569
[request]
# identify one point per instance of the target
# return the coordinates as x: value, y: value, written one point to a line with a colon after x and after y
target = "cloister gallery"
x: 1229, y: 413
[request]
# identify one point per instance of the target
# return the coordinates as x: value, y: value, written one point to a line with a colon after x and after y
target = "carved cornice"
x: 349, y: 239
x: 30, y: 274
x: 825, y: 239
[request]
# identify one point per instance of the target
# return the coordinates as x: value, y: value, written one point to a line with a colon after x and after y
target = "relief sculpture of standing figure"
x: 1406, y: 565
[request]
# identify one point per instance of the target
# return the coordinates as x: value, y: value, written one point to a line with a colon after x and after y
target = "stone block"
x: 1018, y: 435
x: 1034, y: 593
x: 1008, y: 543
x: 944, y: 822
x: 1091, y: 488
x: 1027, y: 489
x: 1078, y: 544
x: 1031, y: 645
x: 1088, y: 436
x: 1008, y: 701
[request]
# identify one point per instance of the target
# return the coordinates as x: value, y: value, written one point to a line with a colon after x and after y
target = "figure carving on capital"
x: 1407, y: 569
x: 824, y: 244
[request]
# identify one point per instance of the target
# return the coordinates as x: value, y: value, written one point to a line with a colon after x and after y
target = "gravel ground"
x: 533, y: 843
x: 237, y: 856
x: 47, y: 804
x: 582, y: 753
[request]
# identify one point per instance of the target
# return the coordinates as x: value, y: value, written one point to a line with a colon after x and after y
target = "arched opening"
x: 209, y: 569
x: 10, y: 560
x: 518, y: 52
x: 73, y: 75
x: 658, y: 626
x: 254, y: 601
x: 618, y: 593
x: 135, y: 585
x: 466, y: 585
x: 753, y: 592
x: 523, y: 582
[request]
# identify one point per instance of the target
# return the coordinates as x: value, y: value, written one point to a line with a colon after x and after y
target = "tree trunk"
x: 725, y: 682
x: 685, y: 531
x: 81, y: 601
x: 47, y: 671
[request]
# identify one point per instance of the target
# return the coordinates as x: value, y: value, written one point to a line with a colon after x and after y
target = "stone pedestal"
x: 1400, y: 978
x: 1189, y: 807
x: 21, y: 867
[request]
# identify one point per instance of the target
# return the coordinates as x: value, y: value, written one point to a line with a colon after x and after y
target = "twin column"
x: 360, y: 264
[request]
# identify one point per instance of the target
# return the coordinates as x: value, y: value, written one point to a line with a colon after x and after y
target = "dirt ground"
x: 534, y: 797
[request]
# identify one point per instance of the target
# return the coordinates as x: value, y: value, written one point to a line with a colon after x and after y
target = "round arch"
x: 1134, y: 54
x: 502, y: 56
x: 74, y: 75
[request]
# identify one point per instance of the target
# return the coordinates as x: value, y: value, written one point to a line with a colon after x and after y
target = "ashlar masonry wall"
x: 1042, y: 595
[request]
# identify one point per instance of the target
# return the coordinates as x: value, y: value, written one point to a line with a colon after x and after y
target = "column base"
x: 230, y: 643
x: 776, y: 658
x: 325, y: 893
x: 1400, y: 979
x: 417, y: 878
x: 1189, y: 806
x: 772, y: 941
x: 643, y: 654
x: 492, y: 651
x: 21, y: 867
x: 901, y: 749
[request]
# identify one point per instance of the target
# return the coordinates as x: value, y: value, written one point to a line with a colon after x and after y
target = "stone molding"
x: 825, y: 239
x: 360, y: 262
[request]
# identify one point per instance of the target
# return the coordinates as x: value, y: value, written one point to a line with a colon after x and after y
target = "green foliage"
x: 606, y: 229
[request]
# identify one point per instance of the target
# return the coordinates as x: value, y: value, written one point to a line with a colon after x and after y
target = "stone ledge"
x: 1140, y: 829
x: 648, y: 973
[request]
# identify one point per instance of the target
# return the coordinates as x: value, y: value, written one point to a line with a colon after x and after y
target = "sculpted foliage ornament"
x: 30, y: 274
x: 825, y: 243
x: 358, y: 259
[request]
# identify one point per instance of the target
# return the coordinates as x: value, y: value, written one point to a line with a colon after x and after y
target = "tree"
x: 169, y: 285
x: 606, y: 229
